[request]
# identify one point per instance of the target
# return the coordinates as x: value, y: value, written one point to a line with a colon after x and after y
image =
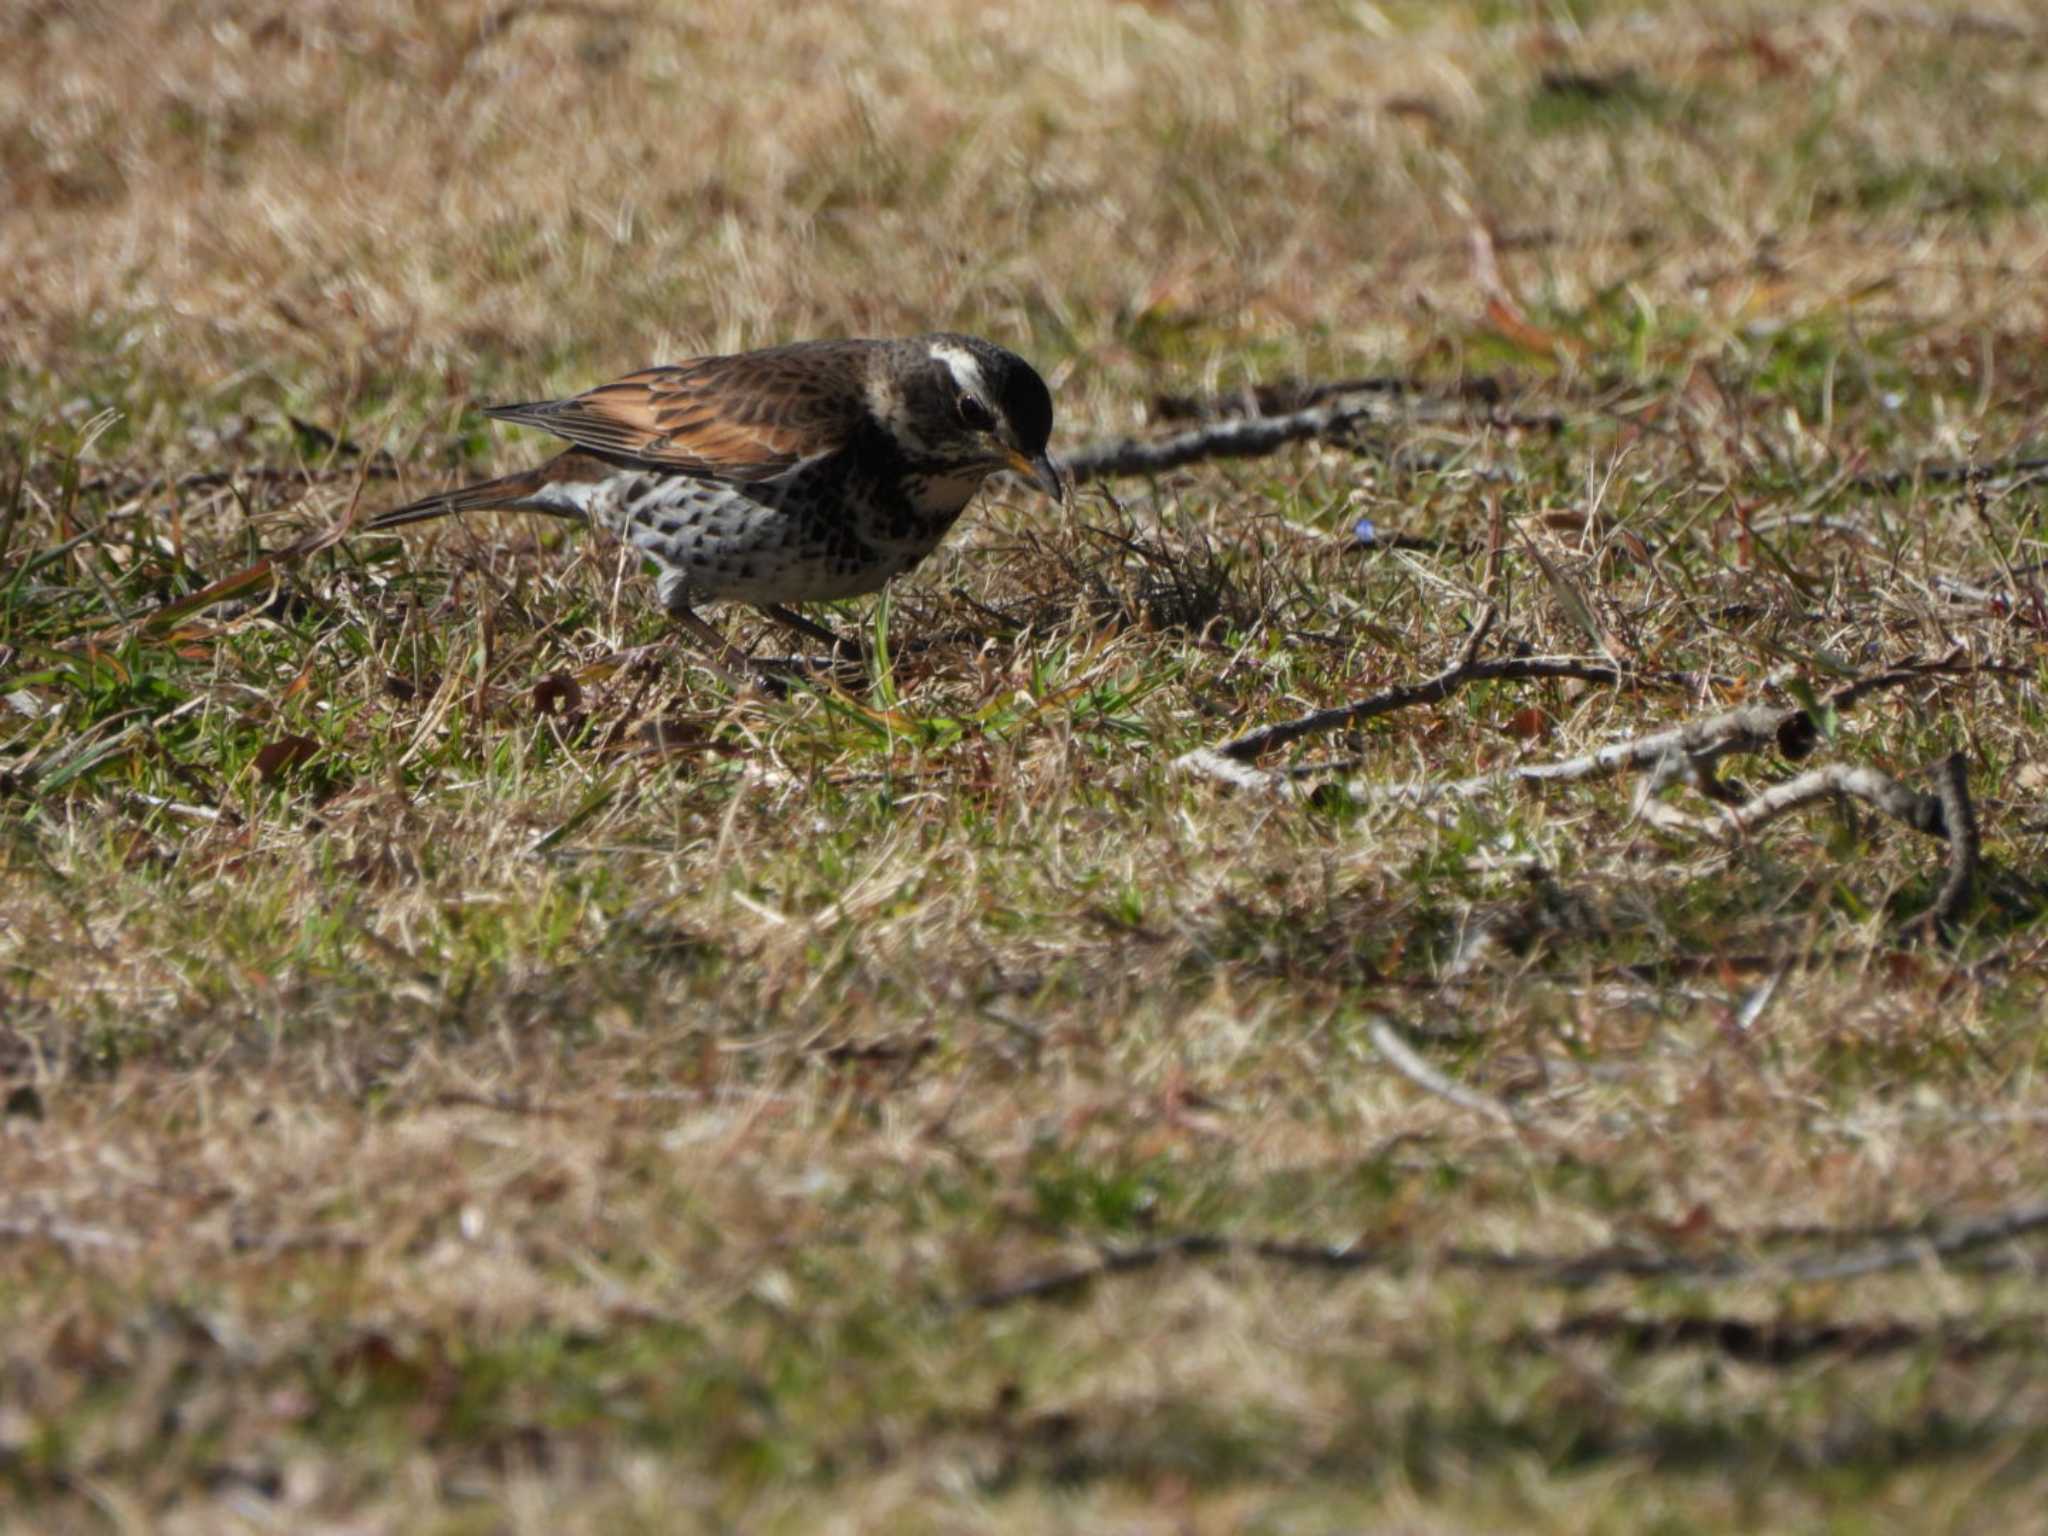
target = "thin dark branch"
x: 1750, y: 728
x: 66, y: 1234
x: 1237, y: 438
x: 1775, y: 1342
x: 1923, y: 813
x: 1543, y: 1269
x: 1406, y: 1060
x: 1959, y: 817
x: 1447, y: 682
x: 1954, y: 664
x: 1286, y: 395
x: 1947, y: 474
x: 501, y: 1103
x: 1482, y: 626
x: 2002, y: 1226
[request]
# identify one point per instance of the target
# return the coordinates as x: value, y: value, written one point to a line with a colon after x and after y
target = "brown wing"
x: 746, y: 416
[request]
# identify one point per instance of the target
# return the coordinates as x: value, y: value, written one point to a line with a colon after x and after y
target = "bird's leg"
x: 726, y: 659
x: 789, y: 618
x: 847, y: 654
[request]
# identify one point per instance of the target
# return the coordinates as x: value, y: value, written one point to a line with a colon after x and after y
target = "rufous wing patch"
x: 742, y: 417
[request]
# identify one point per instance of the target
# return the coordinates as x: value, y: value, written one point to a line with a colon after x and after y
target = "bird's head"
x: 970, y: 406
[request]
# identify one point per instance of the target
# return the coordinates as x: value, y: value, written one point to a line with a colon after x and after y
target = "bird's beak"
x: 1038, y: 469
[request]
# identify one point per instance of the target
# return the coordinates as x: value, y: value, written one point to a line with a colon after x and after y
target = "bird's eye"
x: 974, y: 415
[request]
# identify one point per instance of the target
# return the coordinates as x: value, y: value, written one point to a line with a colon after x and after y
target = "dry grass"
x: 466, y: 1071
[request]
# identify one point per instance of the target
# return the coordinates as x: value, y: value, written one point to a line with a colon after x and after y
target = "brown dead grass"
x: 514, y: 1085
x: 347, y: 191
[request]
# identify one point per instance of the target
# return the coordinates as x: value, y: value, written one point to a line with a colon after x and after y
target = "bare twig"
x: 180, y: 809
x: 1923, y: 813
x: 1482, y: 626
x: 1459, y: 674
x: 1777, y: 1342
x: 1299, y: 394
x: 1959, y: 818
x: 2002, y: 1226
x: 1232, y: 771
x: 66, y: 1234
x: 1544, y: 1269
x: 1948, y: 474
x: 502, y: 1103
x: 1947, y: 814
x: 310, y: 1239
x: 1750, y: 728
x: 1236, y: 438
x: 1402, y: 1058
x: 1954, y: 664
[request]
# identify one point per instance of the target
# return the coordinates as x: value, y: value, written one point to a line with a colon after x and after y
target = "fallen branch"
x: 1959, y: 818
x: 1684, y: 753
x: 1403, y: 1058
x: 180, y: 809
x: 1330, y: 413
x: 1946, y: 814
x: 2003, y: 1226
x: 1230, y: 770
x: 1460, y: 674
x: 1749, y: 728
x: 66, y: 1234
x: 1923, y: 813
x: 1237, y: 438
x: 1299, y: 394
x: 1947, y: 474
x: 1776, y: 1342
x: 1567, y: 1272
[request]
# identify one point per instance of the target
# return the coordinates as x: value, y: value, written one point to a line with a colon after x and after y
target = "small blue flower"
x: 1364, y: 531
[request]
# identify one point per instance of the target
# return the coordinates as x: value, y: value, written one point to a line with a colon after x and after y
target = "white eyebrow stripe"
x: 964, y: 367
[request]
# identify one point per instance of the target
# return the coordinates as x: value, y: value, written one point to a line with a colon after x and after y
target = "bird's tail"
x: 513, y: 493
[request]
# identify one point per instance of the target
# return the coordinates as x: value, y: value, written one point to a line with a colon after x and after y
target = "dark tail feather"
x: 514, y: 493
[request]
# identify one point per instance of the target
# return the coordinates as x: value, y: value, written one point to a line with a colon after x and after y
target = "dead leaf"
x: 1507, y: 322
x: 558, y: 694
x: 282, y: 756
x: 375, y: 1357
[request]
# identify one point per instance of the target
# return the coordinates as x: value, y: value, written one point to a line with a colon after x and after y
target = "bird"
x: 800, y: 473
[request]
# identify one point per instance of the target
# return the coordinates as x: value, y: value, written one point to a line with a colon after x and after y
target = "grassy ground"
x: 464, y: 1069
